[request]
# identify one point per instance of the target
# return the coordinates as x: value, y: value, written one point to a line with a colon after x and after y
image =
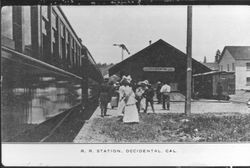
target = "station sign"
x: 159, y: 69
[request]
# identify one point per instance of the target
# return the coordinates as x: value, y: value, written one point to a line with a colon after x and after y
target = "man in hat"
x: 105, y: 90
x: 165, y: 91
x: 149, y: 94
x: 139, y: 91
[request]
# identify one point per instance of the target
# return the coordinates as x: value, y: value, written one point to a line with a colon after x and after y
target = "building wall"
x: 241, y: 74
x: 227, y: 59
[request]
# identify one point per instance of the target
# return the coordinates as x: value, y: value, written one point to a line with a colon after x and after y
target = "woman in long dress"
x: 121, y: 103
x: 130, y: 114
x: 127, y: 104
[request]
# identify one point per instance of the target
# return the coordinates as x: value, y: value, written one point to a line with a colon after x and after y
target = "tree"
x: 217, y: 56
x: 205, y: 59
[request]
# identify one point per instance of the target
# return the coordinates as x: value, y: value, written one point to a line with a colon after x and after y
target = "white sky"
x: 213, y: 28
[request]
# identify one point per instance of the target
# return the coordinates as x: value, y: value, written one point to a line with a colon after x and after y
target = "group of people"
x: 130, y: 98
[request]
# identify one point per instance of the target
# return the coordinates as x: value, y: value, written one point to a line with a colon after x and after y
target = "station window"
x: 27, y: 30
x: 248, y: 66
x: 7, y: 22
x: 228, y: 67
x: 221, y: 67
x: 248, y: 81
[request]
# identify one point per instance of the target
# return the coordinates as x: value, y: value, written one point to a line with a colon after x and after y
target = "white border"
x: 171, y: 155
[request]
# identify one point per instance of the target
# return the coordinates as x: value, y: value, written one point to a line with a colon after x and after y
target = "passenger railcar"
x: 45, y: 68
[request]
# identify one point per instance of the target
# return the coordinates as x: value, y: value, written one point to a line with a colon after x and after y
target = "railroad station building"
x: 159, y: 61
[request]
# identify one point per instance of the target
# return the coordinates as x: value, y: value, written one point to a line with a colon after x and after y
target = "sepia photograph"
x: 125, y: 80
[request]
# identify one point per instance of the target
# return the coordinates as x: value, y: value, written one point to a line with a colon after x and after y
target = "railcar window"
x: 80, y: 56
x: 44, y: 31
x: 54, y: 20
x: 45, y: 12
x: 63, y: 48
x: 66, y: 35
x: 27, y: 29
x: 79, y: 52
x: 75, y: 57
x: 45, y: 35
x: 17, y: 28
x: 71, y: 52
x: 54, y: 24
x: 67, y: 47
x: 62, y: 30
x: 7, y: 22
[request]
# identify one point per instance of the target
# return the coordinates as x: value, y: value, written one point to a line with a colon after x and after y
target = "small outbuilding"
x: 205, y: 84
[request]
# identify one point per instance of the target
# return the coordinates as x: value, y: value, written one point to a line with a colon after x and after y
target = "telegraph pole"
x: 189, y: 62
x: 122, y: 54
x: 123, y: 47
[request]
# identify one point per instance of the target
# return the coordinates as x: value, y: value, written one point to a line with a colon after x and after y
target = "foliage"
x: 173, y: 128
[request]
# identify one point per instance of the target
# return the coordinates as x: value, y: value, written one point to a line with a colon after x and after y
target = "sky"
x: 213, y: 27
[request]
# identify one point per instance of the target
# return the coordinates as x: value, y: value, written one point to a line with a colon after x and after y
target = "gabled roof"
x: 237, y: 52
x: 144, y: 51
x: 212, y: 65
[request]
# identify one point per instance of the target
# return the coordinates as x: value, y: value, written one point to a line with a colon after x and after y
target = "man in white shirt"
x: 165, y: 91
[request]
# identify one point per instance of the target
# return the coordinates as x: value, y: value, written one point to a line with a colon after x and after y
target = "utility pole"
x: 189, y: 62
x: 122, y: 54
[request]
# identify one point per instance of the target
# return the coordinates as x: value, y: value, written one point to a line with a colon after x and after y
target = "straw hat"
x: 146, y: 82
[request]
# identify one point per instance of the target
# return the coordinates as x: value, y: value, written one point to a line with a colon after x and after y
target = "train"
x: 45, y: 68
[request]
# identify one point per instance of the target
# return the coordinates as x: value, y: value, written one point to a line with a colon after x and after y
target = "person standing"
x: 149, y: 95
x: 128, y: 97
x: 158, y: 93
x: 139, y: 91
x: 115, y: 96
x: 165, y: 91
x: 104, y: 97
